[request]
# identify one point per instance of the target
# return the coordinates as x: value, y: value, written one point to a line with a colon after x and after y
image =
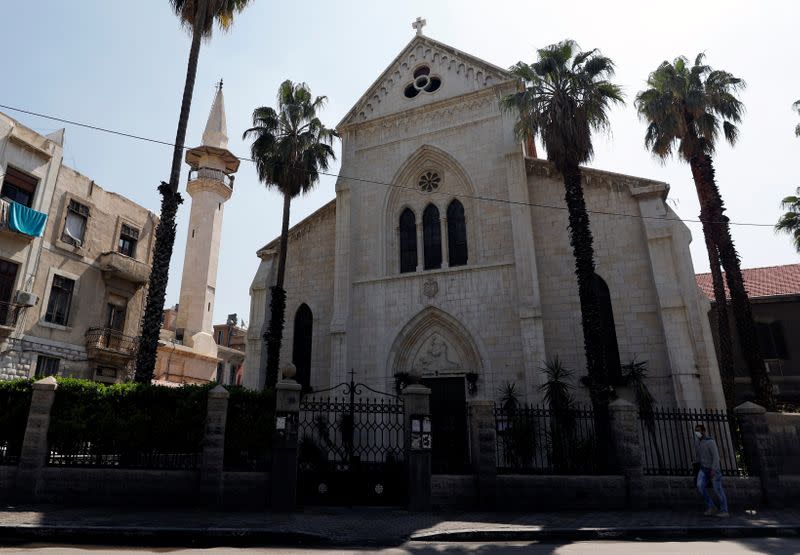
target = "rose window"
x: 423, y: 82
x: 429, y: 182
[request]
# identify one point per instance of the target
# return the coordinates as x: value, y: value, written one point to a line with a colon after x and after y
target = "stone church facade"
x: 446, y: 253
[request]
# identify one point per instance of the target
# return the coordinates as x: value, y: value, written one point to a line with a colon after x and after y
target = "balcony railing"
x: 21, y: 221
x: 211, y: 173
x: 105, y: 341
x: 10, y: 313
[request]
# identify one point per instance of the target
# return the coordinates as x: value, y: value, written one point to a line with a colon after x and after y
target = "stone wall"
x: 541, y: 493
x: 784, y: 435
x: 18, y: 358
x: 681, y: 491
x: 453, y: 492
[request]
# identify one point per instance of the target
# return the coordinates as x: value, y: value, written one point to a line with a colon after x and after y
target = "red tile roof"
x: 771, y: 281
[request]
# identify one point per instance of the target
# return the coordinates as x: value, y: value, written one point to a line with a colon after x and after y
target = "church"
x: 445, y: 254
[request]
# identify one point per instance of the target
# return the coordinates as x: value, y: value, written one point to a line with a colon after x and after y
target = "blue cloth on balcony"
x: 26, y: 220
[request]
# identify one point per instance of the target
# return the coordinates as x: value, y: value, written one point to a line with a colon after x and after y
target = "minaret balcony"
x: 212, y: 174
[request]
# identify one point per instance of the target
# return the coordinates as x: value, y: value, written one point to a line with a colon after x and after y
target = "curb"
x: 610, y: 533
x: 164, y: 537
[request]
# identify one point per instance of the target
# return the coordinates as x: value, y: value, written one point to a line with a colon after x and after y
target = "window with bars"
x: 75, y: 223
x: 46, y: 366
x: 60, y: 300
x: 19, y: 187
x: 128, y: 239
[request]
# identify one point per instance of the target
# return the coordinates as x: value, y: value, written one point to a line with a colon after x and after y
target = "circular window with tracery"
x: 423, y: 82
x: 429, y: 181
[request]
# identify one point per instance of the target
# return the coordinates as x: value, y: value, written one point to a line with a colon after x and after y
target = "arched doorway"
x: 301, y: 345
x: 438, y: 351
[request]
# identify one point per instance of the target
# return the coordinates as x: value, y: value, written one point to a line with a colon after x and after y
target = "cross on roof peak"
x: 418, y: 24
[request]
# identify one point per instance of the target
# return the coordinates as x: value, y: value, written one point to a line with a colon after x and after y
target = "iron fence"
x: 668, y: 441
x: 532, y: 439
x: 87, y: 454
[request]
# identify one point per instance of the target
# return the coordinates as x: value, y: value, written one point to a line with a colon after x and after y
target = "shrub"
x: 248, y: 429
x: 15, y: 402
x: 130, y: 422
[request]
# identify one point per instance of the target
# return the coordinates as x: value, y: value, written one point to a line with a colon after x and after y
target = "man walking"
x: 708, y: 458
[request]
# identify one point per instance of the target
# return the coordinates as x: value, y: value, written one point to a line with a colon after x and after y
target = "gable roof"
x: 443, y: 57
x: 770, y: 281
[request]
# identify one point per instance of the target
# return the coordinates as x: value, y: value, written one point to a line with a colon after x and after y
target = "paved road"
x: 771, y: 546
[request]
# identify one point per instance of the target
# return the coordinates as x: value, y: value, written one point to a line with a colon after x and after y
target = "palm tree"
x: 796, y: 106
x: 197, y: 16
x: 690, y: 105
x: 566, y: 95
x: 790, y: 221
x: 290, y: 147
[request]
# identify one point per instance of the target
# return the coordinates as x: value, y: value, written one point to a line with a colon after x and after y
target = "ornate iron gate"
x: 351, y: 447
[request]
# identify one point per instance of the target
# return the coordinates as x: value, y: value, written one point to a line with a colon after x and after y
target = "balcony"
x: 110, y: 347
x: 213, y: 174
x: 10, y: 314
x: 20, y: 221
x: 116, y: 265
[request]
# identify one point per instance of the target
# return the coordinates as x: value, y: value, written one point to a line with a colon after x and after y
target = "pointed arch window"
x: 301, y: 345
x: 408, y: 241
x: 456, y: 234
x: 609, y: 331
x: 432, y: 237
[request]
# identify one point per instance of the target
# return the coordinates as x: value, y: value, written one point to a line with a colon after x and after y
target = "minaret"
x: 210, y: 185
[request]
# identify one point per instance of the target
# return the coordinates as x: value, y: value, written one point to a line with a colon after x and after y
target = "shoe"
x: 723, y: 514
x: 711, y: 512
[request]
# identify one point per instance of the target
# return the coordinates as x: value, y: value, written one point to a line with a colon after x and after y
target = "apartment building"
x: 74, y: 264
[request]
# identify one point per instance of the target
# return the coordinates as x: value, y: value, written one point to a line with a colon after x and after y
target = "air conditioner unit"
x: 26, y: 298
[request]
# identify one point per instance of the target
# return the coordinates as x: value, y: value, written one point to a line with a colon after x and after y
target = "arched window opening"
x: 432, y: 238
x: 609, y: 332
x: 408, y: 241
x: 301, y: 345
x: 456, y: 234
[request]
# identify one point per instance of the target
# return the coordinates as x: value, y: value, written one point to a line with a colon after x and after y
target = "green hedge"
x: 15, y: 402
x: 126, y: 424
x: 248, y: 429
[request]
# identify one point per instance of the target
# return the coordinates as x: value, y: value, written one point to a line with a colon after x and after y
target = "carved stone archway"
x: 433, y: 343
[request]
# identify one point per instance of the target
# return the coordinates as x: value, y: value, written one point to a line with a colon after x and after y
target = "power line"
x: 480, y: 198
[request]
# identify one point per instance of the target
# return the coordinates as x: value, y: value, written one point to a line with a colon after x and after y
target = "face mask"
x: 698, y: 435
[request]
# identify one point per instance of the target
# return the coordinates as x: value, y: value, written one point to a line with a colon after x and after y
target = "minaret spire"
x: 216, y: 133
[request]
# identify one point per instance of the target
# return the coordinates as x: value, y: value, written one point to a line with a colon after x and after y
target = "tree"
x: 790, y: 221
x: 290, y: 147
x: 564, y: 97
x: 796, y: 106
x: 197, y: 16
x: 689, y: 105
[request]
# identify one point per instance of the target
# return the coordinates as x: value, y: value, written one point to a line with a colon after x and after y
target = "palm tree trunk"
x: 277, y: 305
x: 165, y: 233
x: 582, y: 247
x: 712, y: 215
x: 580, y: 237
x: 726, y: 369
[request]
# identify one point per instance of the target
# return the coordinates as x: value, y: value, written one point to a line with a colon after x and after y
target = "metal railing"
x: 668, y: 441
x: 211, y: 173
x: 111, y: 340
x: 10, y: 313
x: 532, y: 439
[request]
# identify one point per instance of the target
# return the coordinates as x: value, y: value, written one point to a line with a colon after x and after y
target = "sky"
x: 122, y: 65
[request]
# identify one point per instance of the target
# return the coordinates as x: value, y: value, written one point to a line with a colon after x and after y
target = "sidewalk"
x: 370, y: 526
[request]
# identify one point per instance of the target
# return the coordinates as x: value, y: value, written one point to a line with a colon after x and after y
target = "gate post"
x: 418, y: 459
x: 283, y: 480
x: 211, y: 468
x: 758, y: 452
x: 628, y: 449
x: 33, y: 455
x: 483, y: 446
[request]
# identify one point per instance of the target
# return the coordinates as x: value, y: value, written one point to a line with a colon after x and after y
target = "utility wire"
x: 372, y: 181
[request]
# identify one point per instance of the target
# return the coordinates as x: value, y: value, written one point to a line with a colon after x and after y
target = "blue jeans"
x: 703, y: 477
